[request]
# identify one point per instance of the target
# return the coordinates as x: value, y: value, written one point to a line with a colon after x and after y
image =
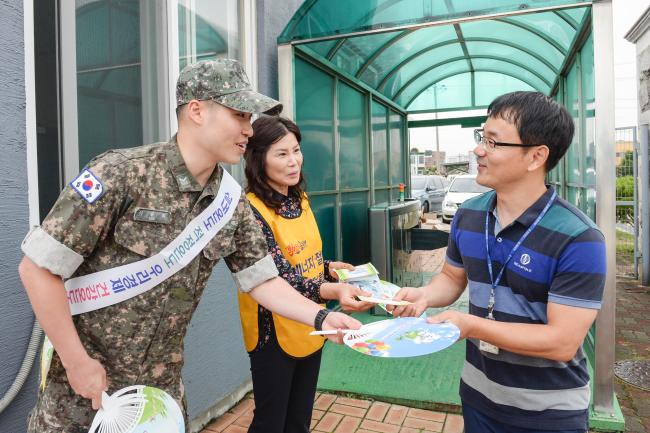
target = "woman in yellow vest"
x: 285, y: 359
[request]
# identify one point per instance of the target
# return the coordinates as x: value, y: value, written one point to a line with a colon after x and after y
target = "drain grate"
x: 634, y: 372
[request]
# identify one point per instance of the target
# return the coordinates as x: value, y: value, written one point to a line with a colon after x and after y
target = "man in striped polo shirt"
x: 535, y: 269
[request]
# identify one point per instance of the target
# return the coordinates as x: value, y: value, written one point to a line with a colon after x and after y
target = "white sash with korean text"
x: 111, y: 286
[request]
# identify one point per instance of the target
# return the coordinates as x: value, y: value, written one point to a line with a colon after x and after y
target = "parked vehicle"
x: 430, y: 190
x: 461, y: 188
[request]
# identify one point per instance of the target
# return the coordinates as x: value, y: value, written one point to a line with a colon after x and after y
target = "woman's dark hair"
x: 268, y: 130
x: 539, y: 119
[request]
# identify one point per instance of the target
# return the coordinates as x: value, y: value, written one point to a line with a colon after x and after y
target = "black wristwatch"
x: 320, y: 318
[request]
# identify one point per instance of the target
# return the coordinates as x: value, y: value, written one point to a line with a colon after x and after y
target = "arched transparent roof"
x: 434, y: 55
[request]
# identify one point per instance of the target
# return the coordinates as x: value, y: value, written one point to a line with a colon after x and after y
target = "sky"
x: 626, y: 13
x: 455, y: 140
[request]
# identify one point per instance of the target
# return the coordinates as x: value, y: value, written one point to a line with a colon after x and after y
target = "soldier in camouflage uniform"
x: 150, y: 194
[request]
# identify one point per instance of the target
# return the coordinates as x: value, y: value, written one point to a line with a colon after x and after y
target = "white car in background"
x: 461, y: 188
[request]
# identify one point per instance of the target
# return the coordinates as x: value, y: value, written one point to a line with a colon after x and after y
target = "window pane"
x: 526, y: 75
x: 577, y: 14
x: 558, y: 172
x: 517, y: 52
x: 572, y: 157
x: 323, y: 48
x: 381, y: 195
x: 405, y: 47
x: 117, y: 79
x: 396, y: 148
x: 405, y: 92
x: 355, y: 51
x: 207, y: 29
x: 329, y: 17
x: 552, y: 175
x: 324, y: 210
x: 590, y: 205
x: 574, y: 196
x: 588, y: 101
x: 511, y: 33
x: 548, y: 23
x: 419, y: 64
x: 314, y: 111
x: 394, y: 194
x: 454, y: 92
x: 379, y: 144
x: 490, y: 85
x: 353, y: 144
x: 354, y: 233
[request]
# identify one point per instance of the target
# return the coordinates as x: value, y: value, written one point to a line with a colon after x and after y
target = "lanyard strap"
x: 495, y: 283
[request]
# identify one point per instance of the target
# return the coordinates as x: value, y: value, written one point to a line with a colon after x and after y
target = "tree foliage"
x: 430, y: 170
x: 625, y: 188
x: 626, y: 166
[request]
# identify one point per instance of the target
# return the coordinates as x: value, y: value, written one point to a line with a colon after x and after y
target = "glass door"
x: 119, y: 79
x: 208, y: 29
x: 119, y: 61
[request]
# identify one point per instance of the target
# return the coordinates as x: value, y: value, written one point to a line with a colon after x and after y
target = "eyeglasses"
x: 490, y: 145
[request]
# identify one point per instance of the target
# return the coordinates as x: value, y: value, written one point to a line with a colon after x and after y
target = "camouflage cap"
x: 224, y: 81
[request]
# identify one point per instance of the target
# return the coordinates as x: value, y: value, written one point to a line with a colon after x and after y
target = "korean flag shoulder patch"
x: 88, y: 186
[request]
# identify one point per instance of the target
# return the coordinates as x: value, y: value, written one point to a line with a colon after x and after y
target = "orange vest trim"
x: 301, y: 244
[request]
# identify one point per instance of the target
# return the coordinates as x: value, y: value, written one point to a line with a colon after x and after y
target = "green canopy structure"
x: 351, y: 72
x: 476, y: 51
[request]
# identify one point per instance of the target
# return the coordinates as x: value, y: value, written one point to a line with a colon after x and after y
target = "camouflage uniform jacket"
x: 149, y: 197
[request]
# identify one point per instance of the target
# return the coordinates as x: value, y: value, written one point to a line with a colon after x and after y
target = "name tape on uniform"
x: 111, y: 286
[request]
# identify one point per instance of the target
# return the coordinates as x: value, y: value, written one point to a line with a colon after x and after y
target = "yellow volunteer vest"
x: 301, y: 245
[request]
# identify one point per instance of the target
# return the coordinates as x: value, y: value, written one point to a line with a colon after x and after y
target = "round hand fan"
x: 138, y: 409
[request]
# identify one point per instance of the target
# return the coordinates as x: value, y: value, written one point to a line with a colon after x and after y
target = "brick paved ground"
x: 344, y: 415
x: 633, y: 342
x: 347, y: 415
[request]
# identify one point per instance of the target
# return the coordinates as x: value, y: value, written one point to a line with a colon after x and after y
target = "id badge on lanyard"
x: 484, y: 345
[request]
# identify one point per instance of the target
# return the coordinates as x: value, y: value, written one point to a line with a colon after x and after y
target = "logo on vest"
x: 524, y: 260
x: 296, y: 247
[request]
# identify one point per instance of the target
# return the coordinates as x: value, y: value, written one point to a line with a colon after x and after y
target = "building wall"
x: 16, y: 317
x: 643, y: 85
x: 216, y: 362
x: 271, y: 20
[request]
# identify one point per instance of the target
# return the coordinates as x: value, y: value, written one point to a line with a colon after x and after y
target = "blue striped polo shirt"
x: 562, y: 261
